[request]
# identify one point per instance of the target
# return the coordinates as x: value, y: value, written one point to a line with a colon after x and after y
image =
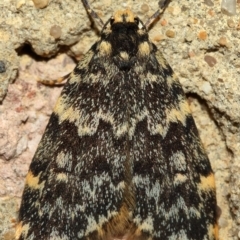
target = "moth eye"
x: 111, y: 21
x: 136, y: 20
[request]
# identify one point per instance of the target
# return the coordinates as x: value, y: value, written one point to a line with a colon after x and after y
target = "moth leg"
x: 55, y: 82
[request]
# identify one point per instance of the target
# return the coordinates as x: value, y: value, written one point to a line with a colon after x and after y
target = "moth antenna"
x: 92, y: 13
x: 162, y: 6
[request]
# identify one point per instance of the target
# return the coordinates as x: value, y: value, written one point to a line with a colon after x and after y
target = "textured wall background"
x: 200, y: 43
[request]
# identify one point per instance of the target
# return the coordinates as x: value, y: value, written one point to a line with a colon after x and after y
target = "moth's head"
x: 125, y: 17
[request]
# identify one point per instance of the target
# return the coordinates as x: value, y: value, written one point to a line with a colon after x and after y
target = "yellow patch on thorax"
x: 105, y: 48
x: 144, y: 49
x: 124, y: 55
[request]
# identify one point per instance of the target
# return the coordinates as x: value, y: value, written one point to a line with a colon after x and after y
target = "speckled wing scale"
x: 121, y: 157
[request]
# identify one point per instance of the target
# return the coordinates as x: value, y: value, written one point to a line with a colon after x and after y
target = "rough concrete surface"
x: 200, y: 42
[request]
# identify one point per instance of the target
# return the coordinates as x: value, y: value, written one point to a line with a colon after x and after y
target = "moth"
x: 121, y: 156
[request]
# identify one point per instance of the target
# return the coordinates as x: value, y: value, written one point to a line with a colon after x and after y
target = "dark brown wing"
x: 121, y: 154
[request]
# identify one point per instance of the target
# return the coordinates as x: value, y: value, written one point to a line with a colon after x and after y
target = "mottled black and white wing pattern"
x: 121, y: 157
